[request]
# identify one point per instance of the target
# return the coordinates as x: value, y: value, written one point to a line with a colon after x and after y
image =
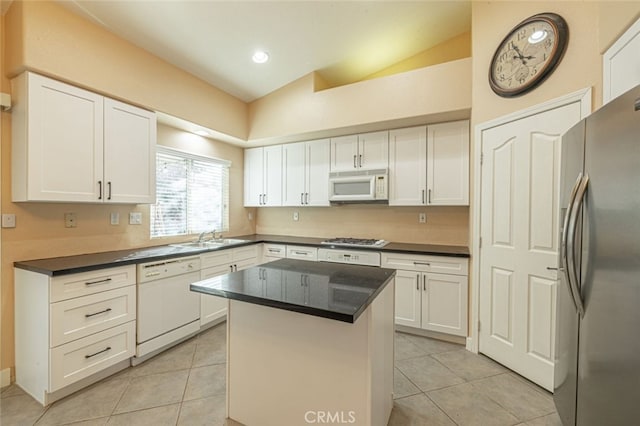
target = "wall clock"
x: 528, y: 54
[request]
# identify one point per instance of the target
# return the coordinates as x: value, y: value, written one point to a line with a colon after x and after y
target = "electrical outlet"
x: 115, y: 218
x: 250, y: 216
x: 70, y: 220
x: 8, y: 220
x: 135, y: 218
x: 296, y: 216
x: 422, y: 218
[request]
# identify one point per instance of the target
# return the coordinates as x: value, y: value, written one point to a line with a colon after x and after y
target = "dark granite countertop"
x: 329, y: 290
x: 409, y: 248
x: 88, y: 262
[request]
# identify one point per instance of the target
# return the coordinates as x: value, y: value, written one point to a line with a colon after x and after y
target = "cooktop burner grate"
x: 355, y: 242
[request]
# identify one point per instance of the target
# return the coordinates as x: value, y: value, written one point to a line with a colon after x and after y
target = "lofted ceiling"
x: 345, y: 41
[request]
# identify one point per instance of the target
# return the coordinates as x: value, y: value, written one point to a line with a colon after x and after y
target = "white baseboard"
x: 5, y: 377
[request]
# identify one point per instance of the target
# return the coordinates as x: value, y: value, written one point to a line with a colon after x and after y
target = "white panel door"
x: 519, y: 229
x: 373, y: 150
x: 344, y: 153
x: 408, y: 301
x: 253, y: 177
x: 293, y: 174
x: 408, y: 166
x: 273, y: 175
x: 129, y: 154
x: 317, y: 177
x: 448, y: 164
x: 65, y: 142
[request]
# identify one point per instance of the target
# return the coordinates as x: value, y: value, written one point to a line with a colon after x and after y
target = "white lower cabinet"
x: 70, y: 328
x: 302, y: 253
x: 218, y: 263
x: 430, y: 300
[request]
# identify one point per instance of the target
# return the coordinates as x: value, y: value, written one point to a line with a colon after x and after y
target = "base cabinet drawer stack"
x: 431, y: 291
x: 218, y: 263
x: 71, y: 327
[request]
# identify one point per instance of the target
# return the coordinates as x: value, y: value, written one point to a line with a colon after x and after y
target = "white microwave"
x: 360, y: 186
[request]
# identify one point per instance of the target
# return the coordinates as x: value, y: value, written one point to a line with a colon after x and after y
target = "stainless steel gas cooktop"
x: 355, y: 242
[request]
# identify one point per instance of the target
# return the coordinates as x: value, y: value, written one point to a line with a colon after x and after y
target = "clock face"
x: 528, y: 54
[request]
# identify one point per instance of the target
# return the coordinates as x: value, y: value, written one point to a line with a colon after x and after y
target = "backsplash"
x: 445, y: 225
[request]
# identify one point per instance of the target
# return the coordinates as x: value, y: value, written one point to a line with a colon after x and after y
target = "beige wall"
x: 445, y: 225
x: 456, y: 48
x: 48, y: 38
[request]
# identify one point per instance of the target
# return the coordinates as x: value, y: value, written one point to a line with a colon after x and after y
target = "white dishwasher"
x: 167, y: 310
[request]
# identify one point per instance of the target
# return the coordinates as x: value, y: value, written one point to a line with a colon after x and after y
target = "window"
x: 192, y: 194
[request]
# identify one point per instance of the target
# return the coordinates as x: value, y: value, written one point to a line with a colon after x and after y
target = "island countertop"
x: 329, y: 290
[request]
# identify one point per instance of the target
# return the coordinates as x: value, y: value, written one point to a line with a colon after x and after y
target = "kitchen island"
x: 308, y: 342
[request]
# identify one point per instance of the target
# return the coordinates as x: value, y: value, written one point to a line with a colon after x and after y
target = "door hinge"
x: 481, y: 158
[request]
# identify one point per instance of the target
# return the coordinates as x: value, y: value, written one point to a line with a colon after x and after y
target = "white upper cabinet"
x: 448, y: 164
x: 408, y: 166
x: 72, y: 145
x: 129, y: 153
x: 429, y: 165
x: 263, y: 176
x: 621, y: 64
x: 305, y: 173
x: 364, y: 151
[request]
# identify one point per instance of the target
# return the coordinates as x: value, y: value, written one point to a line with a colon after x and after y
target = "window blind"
x: 192, y: 194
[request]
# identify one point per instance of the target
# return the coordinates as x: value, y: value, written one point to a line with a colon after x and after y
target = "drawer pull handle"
x: 418, y: 282
x: 274, y: 251
x: 106, y: 280
x: 108, y: 348
x: 303, y: 253
x: 97, y: 313
x: 422, y: 263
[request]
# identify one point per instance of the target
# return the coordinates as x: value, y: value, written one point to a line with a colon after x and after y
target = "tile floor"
x: 436, y: 383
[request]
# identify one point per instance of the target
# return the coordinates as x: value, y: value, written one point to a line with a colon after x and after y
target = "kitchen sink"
x: 222, y: 242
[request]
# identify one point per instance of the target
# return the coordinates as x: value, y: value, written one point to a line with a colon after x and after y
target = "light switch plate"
x: 114, y: 218
x: 135, y: 218
x: 296, y: 216
x: 9, y: 220
x: 422, y: 218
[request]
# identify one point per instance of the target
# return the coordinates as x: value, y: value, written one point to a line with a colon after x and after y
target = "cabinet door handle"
x: 418, y: 282
x: 97, y: 313
x: 231, y: 268
x: 423, y: 196
x: 106, y: 280
x: 265, y: 199
x: 354, y: 162
x: 360, y: 160
x: 424, y: 282
x: 235, y: 268
x: 306, y: 198
x: 429, y: 199
x: 109, y: 186
x: 302, y: 198
x: 108, y: 348
x: 422, y: 263
x: 99, y: 190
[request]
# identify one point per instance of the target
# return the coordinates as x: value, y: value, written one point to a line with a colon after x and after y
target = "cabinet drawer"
x: 303, y: 253
x: 216, y: 258
x: 84, y: 357
x: 214, y: 271
x: 82, y: 316
x: 423, y: 263
x: 85, y: 283
x: 274, y: 250
x: 244, y: 253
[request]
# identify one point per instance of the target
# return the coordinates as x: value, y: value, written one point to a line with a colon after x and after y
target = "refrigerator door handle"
x: 563, y: 245
x: 571, y: 239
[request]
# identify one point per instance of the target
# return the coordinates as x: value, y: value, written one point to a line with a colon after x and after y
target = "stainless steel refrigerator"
x: 597, y: 369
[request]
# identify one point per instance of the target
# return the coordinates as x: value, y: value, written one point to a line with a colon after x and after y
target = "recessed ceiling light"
x: 202, y: 132
x: 260, y: 57
x: 537, y: 36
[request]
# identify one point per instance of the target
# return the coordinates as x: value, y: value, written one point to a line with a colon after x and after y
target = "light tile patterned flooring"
x: 436, y: 383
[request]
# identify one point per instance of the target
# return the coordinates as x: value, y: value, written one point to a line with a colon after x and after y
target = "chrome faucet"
x: 201, y: 236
